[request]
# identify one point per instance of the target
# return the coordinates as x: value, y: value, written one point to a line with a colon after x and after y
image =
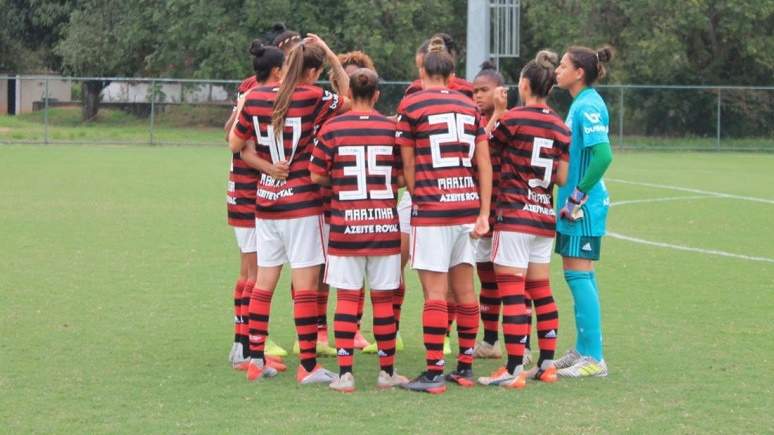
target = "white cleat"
x: 487, y: 351
x: 344, y: 384
x: 585, y: 367
x: 386, y: 381
x: 236, y: 349
x: 569, y: 358
x: 318, y: 375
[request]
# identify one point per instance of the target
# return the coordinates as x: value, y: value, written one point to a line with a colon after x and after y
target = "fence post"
x: 153, y: 108
x: 45, y: 114
x: 717, y: 128
x: 620, y: 117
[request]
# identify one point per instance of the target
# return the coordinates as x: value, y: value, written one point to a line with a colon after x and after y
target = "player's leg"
x: 431, y: 250
x: 346, y: 275
x: 489, y: 301
x: 236, y: 356
x: 510, y: 257
x: 303, y: 238
x: 383, y: 277
x: 538, y: 288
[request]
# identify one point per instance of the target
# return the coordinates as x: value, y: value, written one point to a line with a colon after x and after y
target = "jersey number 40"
x: 276, y: 145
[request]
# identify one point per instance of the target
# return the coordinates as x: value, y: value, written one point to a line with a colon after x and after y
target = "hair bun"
x: 278, y: 27
x: 257, y: 48
x: 488, y: 65
x: 437, y: 45
x: 605, y: 54
x: 547, y: 59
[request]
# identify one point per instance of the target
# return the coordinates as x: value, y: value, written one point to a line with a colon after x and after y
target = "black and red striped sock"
x: 514, y: 318
x: 322, y: 311
x: 238, y: 289
x: 360, y: 305
x: 547, y: 317
x: 467, y: 329
x: 345, y: 326
x: 397, y: 303
x: 259, y: 309
x: 451, y: 315
x: 384, y: 329
x: 305, y: 316
x: 490, y: 302
x: 528, y: 307
x: 434, y: 324
x: 244, y: 324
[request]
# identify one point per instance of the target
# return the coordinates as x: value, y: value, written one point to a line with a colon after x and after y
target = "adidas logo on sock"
x: 551, y: 334
x: 469, y: 351
x: 586, y: 247
x: 256, y: 338
x: 381, y: 353
x: 342, y: 352
x: 523, y: 339
x: 440, y: 363
x: 237, y: 320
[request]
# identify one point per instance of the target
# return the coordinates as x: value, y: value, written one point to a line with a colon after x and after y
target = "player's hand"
x: 280, y: 170
x: 311, y: 38
x: 500, y: 99
x: 572, y: 210
x: 481, y: 228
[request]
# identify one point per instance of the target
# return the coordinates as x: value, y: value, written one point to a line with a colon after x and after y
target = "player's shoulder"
x: 461, y: 85
x: 247, y: 84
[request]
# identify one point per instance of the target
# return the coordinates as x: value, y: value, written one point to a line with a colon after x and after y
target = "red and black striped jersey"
x: 310, y: 107
x: 533, y: 139
x: 357, y: 150
x: 242, y: 179
x: 246, y: 85
x: 455, y: 84
x: 443, y: 126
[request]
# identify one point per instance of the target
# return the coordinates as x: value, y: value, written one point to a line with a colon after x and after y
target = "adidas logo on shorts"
x: 586, y: 247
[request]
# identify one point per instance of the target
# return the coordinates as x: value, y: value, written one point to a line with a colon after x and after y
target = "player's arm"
x: 562, y: 170
x: 500, y: 107
x: 407, y: 155
x: 278, y: 171
x: 233, y: 117
x: 321, y: 163
x: 601, y: 158
x: 484, y: 166
x: 339, y: 77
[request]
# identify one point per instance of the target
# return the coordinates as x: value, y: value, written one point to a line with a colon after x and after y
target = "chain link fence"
x: 99, y: 110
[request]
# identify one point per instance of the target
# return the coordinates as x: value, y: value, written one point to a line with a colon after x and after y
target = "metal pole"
x: 45, y: 115
x: 620, y: 117
x: 153, y: 108
x: 717, y: 128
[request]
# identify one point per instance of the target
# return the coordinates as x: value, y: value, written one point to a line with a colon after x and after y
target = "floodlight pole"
x: 477, y: 48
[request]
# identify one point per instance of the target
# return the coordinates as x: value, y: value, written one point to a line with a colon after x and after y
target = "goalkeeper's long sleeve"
x: 601, y: 158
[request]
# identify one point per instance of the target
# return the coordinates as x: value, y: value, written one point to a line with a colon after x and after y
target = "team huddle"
x: 315, y: 181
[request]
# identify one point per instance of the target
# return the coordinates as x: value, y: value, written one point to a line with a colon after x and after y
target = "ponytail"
x: 301, y: 58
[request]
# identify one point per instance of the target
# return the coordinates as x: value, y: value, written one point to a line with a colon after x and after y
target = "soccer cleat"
x: 323, y: 349
x: 545, y: 373
x: 236, y: 348
x: 239, y: 362
x: 569, y: 358
x: 344, y: 384
x: 386, y: 381
x: 428, y: 383
x: 486, y: 350
x: 446, y: 346
x: 398, y: 342
x: 273, y: 349
x: 276, y: 363
x: 527, y: 357
x: 501, y: 378
x: 257, y: 370
x: 585, y: 367
x: 360, y: 341
x: 318, y: 375
x: 463, y: 378
x: 371, y: 348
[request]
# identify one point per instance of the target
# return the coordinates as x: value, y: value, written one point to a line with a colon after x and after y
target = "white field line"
x: 704, y: 195
x: 686, y: 189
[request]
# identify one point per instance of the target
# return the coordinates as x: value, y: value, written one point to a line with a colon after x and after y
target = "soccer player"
x: 534, y: 143
x: 441, y: 138
x: 355, y: 153
x: 583, y: 204
x: 283, y: 121
x: 286, y: 40
x: 240, y: 200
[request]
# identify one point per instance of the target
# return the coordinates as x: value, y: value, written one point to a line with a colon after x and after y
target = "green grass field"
x: 116, y: 268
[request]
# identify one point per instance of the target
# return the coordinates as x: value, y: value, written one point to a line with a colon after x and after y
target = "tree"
x: 106, y: 38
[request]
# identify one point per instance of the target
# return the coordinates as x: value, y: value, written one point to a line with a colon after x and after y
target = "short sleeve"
x: 480, y: 128
x: 404, y: 134
x: 330, y: 104
x: 322, y: 155
x: 243, y: 128
x: 593, y: 124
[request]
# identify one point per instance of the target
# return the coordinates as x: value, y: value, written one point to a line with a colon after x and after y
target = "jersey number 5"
x: 359, y: 171
x: 541, y: 162
x: 277, y: 147
x: 455, y: 124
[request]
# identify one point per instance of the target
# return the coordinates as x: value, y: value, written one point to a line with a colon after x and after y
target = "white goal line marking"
x: 670, y: 198
x: 688, y: 248
x: 686, y: 189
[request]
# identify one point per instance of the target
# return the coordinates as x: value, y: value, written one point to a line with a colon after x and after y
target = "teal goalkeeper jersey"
x: 589, y: 123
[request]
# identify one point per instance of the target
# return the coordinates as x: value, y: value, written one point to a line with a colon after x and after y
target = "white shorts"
x: 245, y: 237
x: 326, y: 235
x: 484, y: 250
x: 438, y: 249
x: 348, y: 273
x: 296, y: 241
x: 514, y: 249
x: 404, y: 213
